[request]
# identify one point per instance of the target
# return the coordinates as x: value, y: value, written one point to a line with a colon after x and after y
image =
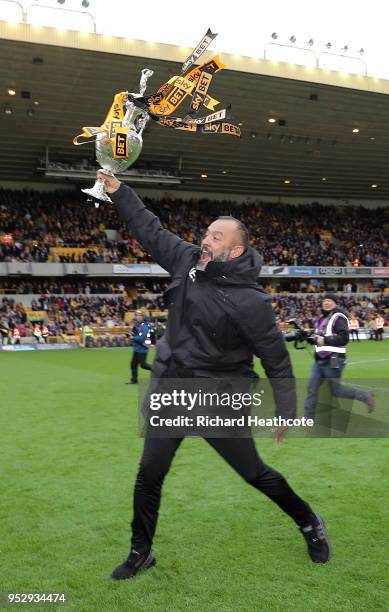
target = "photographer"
x: 330, y: 339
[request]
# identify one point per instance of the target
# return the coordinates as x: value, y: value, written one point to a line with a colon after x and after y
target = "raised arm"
x: 167, y: 249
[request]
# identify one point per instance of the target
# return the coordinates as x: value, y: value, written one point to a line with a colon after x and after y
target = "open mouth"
x: 205, y: 256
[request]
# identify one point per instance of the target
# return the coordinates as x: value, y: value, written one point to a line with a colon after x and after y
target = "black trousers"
x: 379, y: 334
x: 354, y: 334
x: 239, y: 453
x: 138, y: 359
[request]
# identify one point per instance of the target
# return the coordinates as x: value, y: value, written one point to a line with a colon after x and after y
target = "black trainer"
x: 317, y: 540
x: 134, y: 564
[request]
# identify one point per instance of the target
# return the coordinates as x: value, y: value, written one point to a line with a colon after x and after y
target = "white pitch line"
x: 367, y: 361
x: 367, y: 386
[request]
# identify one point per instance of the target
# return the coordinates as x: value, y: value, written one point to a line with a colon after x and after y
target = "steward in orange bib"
x: 37, y: 333
x: 15, y: 336
x: 45, y: 332
x: 379, y: 328
x: 353, y: 326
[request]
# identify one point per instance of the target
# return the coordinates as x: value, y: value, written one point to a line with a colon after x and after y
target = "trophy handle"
x: 146, y: 74
x: 135, y: 117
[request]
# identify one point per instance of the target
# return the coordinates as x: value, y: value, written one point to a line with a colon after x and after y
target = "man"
x: 45, y: 332
x: 371, y: 327
x: 15, y: 335
x: 140, y: 339
x: 218, y: 319
x: 37, y: 333
x: 354, y: 327
x: 379, y: 327
x: 331, y: 336
x: 4, y: 331
x: 87, y: 335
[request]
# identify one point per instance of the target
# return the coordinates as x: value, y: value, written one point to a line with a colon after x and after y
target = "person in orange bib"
x: 353, y: 326
x: 15, y: 336
x: 379, y: 327
x: 37, y: 333
x: 45, y: 333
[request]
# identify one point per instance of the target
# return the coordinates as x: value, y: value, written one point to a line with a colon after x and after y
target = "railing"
x: 26, y: 299
x: 152, y: 269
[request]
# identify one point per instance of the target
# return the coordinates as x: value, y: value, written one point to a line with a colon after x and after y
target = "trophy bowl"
x: 104, y: 152
x: 118, y: 143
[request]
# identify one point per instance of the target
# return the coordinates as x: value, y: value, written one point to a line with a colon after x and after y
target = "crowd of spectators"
x: 94, y: 286
x: 64, y: 286
x: 307, y: 308
x: 61, y: 286
x: 320, y: 235
x: 32, y: 223
x: 64, y: 315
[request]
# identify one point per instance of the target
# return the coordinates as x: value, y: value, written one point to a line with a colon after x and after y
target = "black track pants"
x: 239, y: 453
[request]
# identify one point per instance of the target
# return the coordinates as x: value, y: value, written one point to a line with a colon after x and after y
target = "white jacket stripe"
x: 332, y: 349
x: 331, y: 322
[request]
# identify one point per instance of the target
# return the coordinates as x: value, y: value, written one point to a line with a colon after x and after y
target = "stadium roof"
x: 75, y: 86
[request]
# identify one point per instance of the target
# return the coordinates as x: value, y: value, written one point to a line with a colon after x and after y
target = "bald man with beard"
x: 218, y: 320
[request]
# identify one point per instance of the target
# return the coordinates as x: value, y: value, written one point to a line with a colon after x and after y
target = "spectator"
x: 33, y: 223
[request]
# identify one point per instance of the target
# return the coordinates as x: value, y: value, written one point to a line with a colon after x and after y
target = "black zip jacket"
x: 340, y: 332
x: 218, y: 318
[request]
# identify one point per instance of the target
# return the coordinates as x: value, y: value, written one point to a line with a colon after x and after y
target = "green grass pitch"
x: 69, y: 456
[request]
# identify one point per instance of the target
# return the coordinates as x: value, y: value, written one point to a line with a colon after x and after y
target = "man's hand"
x: 111, y: 183
x: 319, y: 340
x: 280, y: 433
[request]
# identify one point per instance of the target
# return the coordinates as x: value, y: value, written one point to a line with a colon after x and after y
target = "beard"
x: 225, y: 256
x: 206, y: 256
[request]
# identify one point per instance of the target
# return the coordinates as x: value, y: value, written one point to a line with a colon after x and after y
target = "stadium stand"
x: 54, y: 227
x: 58, y: 286
x: 66, y: 315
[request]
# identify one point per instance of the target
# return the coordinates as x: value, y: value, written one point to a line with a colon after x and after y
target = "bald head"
x: 243, y: 237
x: 225, y: 239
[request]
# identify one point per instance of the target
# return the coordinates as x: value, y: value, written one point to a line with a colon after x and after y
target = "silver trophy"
x: 135, y: 120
